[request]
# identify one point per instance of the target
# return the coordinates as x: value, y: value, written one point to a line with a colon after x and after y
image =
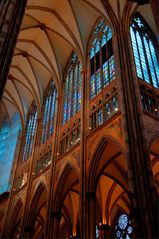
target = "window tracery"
x: 102, y: 64
x: 70, y: 132
x: 49, y: 112
x: 103, y: 93
x: 123, y: 228
x: 30, y: 132
x: 144, y: 49
x: 147, y: 64
x: 72, y: 89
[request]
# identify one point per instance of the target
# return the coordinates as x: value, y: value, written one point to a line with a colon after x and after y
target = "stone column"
x: 56, y: 216
x: 84, y: 127
x: 11, y: 12
x: 25, y: 230
x: 140, y: 176
x: 91, y: 217
x: 51, y: 217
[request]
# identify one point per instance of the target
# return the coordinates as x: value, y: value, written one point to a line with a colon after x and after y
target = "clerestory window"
x: 49, y: 110
x: 144, y: 49
x: 30, y: 132
x: 102, y: 64
x: 72, y: 89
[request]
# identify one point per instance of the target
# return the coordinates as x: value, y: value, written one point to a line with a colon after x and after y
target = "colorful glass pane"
x: 146, y: 62
x: 101, y: 58
x: 30, y: 132
x: 49, y: 112
x: 72, y: 89
x: 123, y: 228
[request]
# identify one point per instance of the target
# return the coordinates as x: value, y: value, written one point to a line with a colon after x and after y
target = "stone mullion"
x: 13, y: 15
x: 5, y: 232
x: 138, y: 160
x: 51, y: 221
x: 24, y: 230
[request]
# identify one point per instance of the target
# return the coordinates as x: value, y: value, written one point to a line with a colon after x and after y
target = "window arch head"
x: 49, y: 110
x: 30, y: 131
x: 145, y: 51
x: 123, y: 228
x: 72, y: 88
x: 102, y: 65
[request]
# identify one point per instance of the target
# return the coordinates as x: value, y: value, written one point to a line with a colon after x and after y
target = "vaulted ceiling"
x: 50, y: 30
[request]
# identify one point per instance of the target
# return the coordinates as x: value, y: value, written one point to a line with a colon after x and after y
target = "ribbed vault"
x: 49, y: 32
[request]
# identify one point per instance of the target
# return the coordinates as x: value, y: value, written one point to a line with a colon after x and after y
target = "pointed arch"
x: 15, y: 219
x: 95, y: 166
x: 72, y: 87
x: 49, y: 111
x: 30, y: 131
x: 101, y: 58
x: 37, y: 203
x: 145, y: 51
x: 68, y: 179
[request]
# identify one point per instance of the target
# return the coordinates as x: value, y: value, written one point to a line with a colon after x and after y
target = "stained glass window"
x: 97, y: 232
x: 8, y: 141
x: 72, y: 89
x: 123, y: 229
x: 145, y: 55
x: 49, y: 112
x: 100, y: 117
x: 101, y: 58
x: 30, y: 132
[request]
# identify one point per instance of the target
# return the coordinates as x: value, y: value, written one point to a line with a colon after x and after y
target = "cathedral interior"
x: 79, y: 119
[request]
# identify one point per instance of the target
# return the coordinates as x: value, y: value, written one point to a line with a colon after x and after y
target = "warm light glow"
x: 74, y: 232
x: 104, y: 220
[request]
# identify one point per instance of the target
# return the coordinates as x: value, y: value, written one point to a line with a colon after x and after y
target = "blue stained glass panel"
x: 146, y: 62
x: 72, y: 90
x: 9, y: 133
x: 49, y: 112
x: 101, y: 59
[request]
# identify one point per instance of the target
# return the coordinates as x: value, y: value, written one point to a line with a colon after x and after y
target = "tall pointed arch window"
x: 144, y: 49
x: 30, y: 132
x: 72, y: 89
x: 102, y: 65
x: 49, y: 112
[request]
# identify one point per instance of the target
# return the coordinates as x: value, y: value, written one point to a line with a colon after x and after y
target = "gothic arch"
x: 90, y: 39
x: 95, y: 159
x: 107, y: 178
x: 15, y: 219
x: 61, y: 190
x: 37, y: 210
x: 66, y: 199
